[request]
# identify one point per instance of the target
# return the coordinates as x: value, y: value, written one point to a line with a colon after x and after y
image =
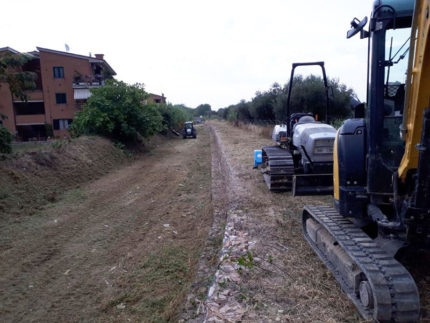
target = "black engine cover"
x: 351, y: 152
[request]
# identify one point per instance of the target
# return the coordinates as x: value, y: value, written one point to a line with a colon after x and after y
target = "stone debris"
x: 222, y: 303
x: 120, y: 306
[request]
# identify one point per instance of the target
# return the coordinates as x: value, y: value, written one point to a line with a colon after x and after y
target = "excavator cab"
x: 381, y: 169
x: 369, y: 149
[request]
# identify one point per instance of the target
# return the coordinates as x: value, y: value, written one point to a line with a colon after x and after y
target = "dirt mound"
x: 31, y: 179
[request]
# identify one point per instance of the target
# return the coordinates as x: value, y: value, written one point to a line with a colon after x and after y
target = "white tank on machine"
x: 314, y: 140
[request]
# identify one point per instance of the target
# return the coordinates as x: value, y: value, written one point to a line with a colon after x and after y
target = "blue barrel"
x: 258, y: 157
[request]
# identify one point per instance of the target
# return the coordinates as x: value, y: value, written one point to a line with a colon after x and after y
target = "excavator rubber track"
x: 279, y: 174
x: 278, y: 168
x: 379, y: 286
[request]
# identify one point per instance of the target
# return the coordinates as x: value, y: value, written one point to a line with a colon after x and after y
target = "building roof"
x: 157, y: 95
x: 31, y: 55
x: 89, y: 58
x: 35, y: 55
x: 8, y: 49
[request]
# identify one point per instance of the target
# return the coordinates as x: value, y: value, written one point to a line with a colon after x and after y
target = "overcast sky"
x: 197, y: 51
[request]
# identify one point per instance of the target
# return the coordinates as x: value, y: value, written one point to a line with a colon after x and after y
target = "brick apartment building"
x: 63, y: 84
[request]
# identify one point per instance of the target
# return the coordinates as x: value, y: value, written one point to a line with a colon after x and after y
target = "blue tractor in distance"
x: 189, y: 130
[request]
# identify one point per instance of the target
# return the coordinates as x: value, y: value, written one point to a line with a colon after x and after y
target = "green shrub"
x: 116, y: 111
x: 173, y: 116
x: 337, y: 123
x: 5, y: 141
x: 49, y: 130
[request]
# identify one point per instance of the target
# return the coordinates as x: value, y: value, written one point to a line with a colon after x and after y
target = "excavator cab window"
x: 396, y: 62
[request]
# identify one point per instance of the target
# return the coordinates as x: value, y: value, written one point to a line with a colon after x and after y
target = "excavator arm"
x: 417, y: 87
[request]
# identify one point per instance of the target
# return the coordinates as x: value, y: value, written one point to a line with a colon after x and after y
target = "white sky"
x: 198, y: 51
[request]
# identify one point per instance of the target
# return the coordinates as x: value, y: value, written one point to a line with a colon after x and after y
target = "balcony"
x: 29, y: 108
x: 88, y: 81
x: 88, y: 85
x: 82, y: 85
x: 34, y: 95
x: 34, y: 119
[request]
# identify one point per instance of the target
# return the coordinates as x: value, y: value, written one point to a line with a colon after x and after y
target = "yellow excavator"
x: 381, y: 169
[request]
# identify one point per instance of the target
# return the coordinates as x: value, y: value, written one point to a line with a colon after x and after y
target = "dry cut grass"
x: 261, y: 131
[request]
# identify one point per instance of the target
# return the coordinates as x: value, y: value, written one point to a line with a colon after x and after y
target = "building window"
x: 58, y: 72
x: 60, y: 98
x: 60, y: 124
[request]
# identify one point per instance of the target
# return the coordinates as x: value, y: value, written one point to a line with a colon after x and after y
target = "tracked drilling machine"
x: 302, y: 160
x: 382, y: 170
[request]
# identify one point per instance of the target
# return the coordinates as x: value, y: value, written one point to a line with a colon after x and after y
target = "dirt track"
x: 98, y: 253
x: 267, y: 271
x: 187, y: 232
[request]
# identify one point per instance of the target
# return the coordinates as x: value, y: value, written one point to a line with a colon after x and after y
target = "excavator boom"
x: 417, y: 87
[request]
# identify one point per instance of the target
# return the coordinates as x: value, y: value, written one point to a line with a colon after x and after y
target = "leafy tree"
x: 308, y: 95
x: 203, y: 110
x: 116, y: 111
x: 173, y: 115
x: 243, y: 112
x: 5, y: 141
x: 11, y: 73
x: 220, y: 113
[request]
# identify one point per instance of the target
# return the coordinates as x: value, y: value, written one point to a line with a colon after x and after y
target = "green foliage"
x: 308, y: 95
x: 173, y: 115
x: 116, y: 111
x: 246, y: 261
x: 222, y: 113
x: 337, y: 123
x: 5, y: 141
x: 203, y: 110
x: 231, y: 114
x: 60, y: 144
x: 49, y: 130
x: 12, y: 74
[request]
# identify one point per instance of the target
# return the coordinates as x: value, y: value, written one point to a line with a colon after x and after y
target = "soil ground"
x: 188, y: 231
x: 267, y: 270
x: 121, y: 248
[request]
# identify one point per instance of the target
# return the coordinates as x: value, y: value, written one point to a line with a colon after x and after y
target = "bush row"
x: 307, y: 95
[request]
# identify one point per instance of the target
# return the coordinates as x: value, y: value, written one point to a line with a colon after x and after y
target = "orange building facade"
x: 63, y: 84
